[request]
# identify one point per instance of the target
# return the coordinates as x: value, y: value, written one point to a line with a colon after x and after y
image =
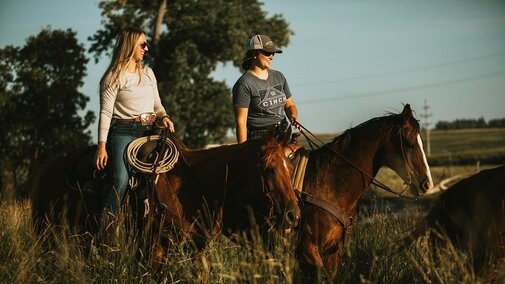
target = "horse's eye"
x: 408, y: 144
x: 270, y: 171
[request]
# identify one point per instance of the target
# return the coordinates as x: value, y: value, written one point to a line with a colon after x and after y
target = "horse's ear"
x: 406, y: 113
x: 284, y: 139
x: 271, y: 133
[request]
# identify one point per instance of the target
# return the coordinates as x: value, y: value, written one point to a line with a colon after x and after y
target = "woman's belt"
x: 283, y: 125
x: 144, y: 119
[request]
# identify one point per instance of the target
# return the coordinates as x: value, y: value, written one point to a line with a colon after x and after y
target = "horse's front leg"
x: 308, y: 255
x: 332, y: 262
x: 156, y: 255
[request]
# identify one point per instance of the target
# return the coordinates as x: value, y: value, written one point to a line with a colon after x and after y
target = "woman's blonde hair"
x: 122, y: 55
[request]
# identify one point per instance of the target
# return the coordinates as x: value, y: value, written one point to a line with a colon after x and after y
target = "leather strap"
x: 345, y: 219
x: 299, y: 172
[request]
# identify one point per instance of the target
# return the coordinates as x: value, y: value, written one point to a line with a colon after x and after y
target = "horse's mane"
x: 195, y: 156
x: 342, y: 143
x: 382, y: 123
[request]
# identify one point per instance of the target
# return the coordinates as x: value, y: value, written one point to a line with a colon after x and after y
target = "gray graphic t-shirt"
x: 264, y: 98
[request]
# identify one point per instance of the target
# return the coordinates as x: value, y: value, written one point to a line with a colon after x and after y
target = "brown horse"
x: 227, y: 187
x: 226, y: 179
x: 470, y: 215
x: 338, y: 174
x: 65, y: 192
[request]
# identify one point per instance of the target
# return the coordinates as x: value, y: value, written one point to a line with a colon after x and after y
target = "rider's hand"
x: 167, y: 123
x: 296, y: 124
x: 101, y: 156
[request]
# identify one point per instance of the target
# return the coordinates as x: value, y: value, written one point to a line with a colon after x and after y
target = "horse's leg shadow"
x: 308, y: 273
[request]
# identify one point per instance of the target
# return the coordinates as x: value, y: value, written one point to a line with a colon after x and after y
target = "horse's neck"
x: 360, y: 153
x: 353, y: 163
x: 228, y: 153
x: 226, y: 164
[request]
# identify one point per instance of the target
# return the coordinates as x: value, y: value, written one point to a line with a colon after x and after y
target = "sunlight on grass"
x: 375, y: 255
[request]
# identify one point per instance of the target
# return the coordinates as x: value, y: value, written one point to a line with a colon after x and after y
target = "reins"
x: 373, y: 179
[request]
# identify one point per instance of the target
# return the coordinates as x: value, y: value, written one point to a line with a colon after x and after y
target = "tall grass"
x: 374, y: 256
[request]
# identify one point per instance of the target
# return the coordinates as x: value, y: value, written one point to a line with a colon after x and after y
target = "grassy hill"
x: 467, y: 146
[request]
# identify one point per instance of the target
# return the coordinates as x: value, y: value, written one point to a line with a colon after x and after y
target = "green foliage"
x: 470, y: 123
x: 194, y: 37
x: 40, y: 102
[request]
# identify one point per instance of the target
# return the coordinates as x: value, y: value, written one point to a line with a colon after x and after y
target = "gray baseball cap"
x: 262, y: 42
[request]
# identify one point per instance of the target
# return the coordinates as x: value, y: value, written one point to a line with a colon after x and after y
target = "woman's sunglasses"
x: 143, y: 45
x: 266, y: 53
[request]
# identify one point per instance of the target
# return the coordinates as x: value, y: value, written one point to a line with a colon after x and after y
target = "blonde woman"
x: 129, y: 106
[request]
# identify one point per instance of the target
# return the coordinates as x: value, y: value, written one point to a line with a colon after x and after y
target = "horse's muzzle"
x: 426, y: 185
x: 422, y: 187
x: 292, y: 217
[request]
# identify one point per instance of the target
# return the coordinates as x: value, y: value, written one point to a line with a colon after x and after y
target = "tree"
x: 40, y: 103
x: 188, y: 40
x: 497, y: 123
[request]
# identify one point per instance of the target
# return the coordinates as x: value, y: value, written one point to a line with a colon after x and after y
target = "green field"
x: 467, y: 146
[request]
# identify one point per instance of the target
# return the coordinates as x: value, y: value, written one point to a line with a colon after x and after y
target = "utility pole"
x: 426, y: 125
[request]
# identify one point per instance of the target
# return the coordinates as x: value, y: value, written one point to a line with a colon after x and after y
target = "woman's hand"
x: 167, y: 123
x: 101, y: 156
x: 292, y: 113
x: 296, y: 124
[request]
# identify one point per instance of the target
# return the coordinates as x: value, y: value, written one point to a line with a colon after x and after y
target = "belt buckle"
x: 147, y: 118
x: 283, y: 125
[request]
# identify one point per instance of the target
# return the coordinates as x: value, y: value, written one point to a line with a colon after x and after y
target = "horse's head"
x: 275, y: 170
x: 406, y: 156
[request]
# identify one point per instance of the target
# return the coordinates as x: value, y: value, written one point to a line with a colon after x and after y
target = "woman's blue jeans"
x: 120, y: 135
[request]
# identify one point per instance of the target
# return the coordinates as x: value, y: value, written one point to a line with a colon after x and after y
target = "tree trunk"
x: 162, y: 10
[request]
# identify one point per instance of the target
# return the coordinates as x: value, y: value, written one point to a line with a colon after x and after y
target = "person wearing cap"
x: 261, y: 96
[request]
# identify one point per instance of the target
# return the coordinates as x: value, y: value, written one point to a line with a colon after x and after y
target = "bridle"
x: 374, y: 180
x: 408, y: 166
x: 345, y: 219
x: 267, y: 191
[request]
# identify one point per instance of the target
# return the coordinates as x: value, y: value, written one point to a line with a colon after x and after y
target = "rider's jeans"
x: 120, y: 135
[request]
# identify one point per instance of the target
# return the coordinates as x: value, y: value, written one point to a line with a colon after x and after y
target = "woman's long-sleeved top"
x: 126, y: 99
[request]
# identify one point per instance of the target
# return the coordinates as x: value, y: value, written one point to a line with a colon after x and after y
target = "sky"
x: 348, y: 61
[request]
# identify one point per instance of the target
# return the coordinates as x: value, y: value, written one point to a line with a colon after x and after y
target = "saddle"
x: 298, y: 157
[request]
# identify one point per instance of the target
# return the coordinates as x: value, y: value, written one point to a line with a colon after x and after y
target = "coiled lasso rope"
x: 163, y: 162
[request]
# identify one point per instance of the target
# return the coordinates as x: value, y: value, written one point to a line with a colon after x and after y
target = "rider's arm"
x: 241, y: 123
x: 291, y: 110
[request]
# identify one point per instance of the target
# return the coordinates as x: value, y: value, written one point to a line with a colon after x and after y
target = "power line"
x: 427, y: 67
x: 404, y: 89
